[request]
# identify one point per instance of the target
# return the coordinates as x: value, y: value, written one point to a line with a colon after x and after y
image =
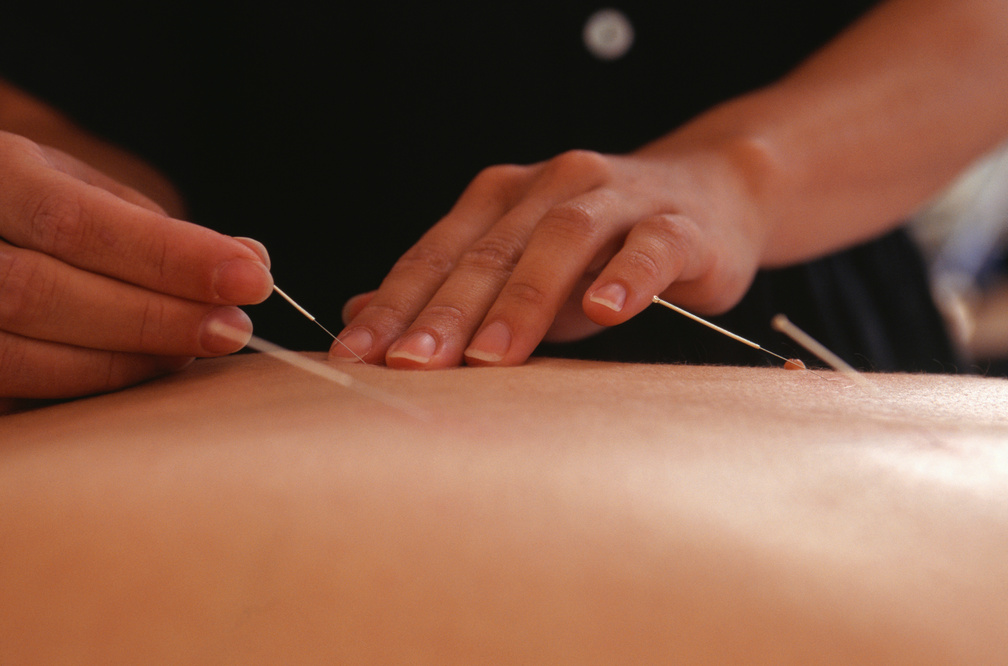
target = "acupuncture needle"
x: 723, y: 331
x: 317, y: 322
x: 784, y: 325
x: 323, y: 370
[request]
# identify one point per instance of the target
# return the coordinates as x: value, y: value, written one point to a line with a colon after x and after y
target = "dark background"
x: 337, y: 135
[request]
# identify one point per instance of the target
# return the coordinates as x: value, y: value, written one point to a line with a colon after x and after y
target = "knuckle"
x: 526, y: 294
x: 119, y: 370
x: 56, y: 223
x: 445, y: 314
x: 151, y: 324
x: 156, y: 254
x: 573, y: 220
x: 25, y: 289
x: 642, y: 262
x: 109, y: 373
x: 660, y: 244
x: 425, y: 260
x: 672, y: 233
x: 13, y: 363
x: 499, y: 174
x: 495, y: 254
x: 500, y: 179
x: 581, y: 165
x: 389, y: 314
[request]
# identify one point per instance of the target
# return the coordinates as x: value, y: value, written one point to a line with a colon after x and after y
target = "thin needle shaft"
x: 312, y: 318
x: 717, y: 328
x: 323, y: 370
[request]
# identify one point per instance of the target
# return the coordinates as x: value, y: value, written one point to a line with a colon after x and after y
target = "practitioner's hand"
x: 99, y: 288
x: 554, y: 250
x: 836, y: 152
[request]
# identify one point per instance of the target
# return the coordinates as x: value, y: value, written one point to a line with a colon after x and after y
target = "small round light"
x: 608, y: 34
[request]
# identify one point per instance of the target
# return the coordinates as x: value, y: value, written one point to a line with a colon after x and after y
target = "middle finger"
x: 43, y: 298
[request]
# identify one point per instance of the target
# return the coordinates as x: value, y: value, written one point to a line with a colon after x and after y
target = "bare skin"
x: 838, y: 152
x: 289, y: 520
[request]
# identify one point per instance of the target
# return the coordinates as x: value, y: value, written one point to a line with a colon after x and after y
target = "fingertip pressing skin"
x: 413, y: 350
x: 353, y: 343
x: 491, y: 344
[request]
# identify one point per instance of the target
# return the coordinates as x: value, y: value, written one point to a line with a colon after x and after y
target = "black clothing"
x: 337, y: 135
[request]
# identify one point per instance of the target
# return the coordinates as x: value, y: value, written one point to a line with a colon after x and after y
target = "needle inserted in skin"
x: 323, y: 370
x: 782, y: 324
x: 312, y: 318
x: 717, y: 328
x: 731, y: 335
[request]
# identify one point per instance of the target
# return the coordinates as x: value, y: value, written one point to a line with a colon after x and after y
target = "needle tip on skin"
x: 353, y: 345
x: 311, y: 317
x: 319, y: 369
x: 783, y: 325
x: 790, y: 364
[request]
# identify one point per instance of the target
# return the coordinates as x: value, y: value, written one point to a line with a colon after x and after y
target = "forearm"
x: 870, y: 127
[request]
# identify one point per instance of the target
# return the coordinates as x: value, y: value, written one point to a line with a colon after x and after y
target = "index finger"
x: 417, y: 275
x: 44, y: 209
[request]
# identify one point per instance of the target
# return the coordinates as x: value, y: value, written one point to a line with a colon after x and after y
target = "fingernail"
x: 417, y: 347
x: 491, y: 344
x: 225, y: 330
x: 359, y: 341
x: 612, y: 296
x: 256, y: 247
x: 242, y: 281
